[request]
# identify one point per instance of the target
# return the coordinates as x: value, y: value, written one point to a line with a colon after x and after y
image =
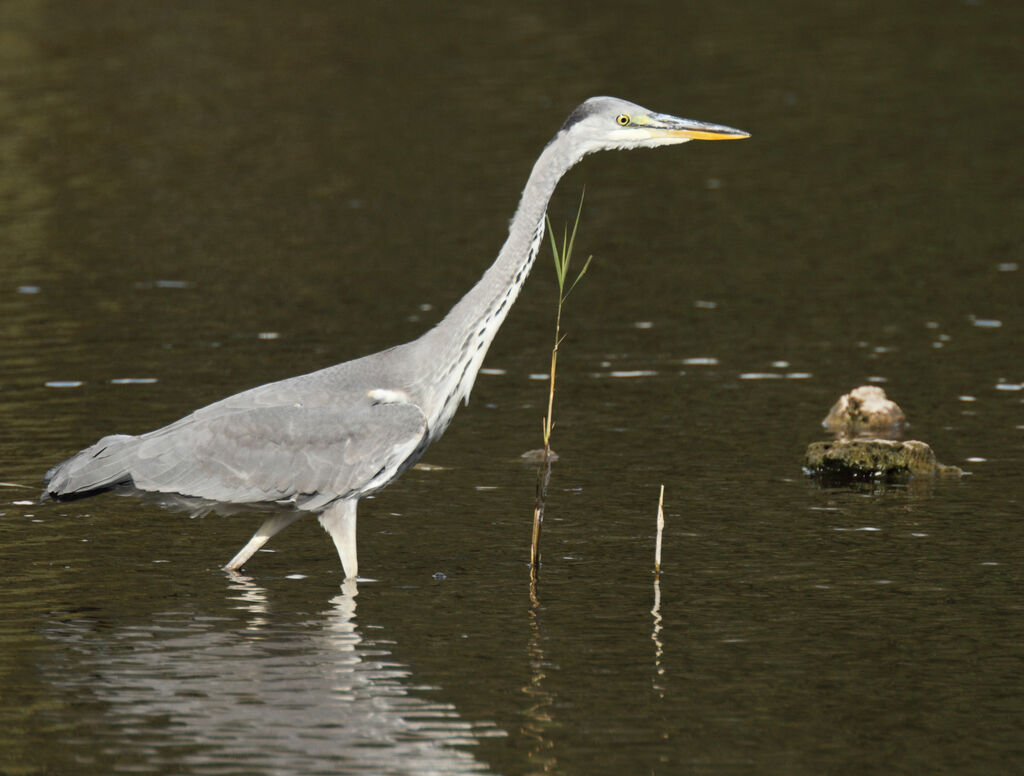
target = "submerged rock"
x: 874, y: 459
x: 537, y: 456
x: 866, y: 411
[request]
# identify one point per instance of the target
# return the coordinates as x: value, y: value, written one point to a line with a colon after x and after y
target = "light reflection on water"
x: 255, y: 697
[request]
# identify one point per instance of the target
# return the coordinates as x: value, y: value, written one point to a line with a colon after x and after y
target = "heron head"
x: 607, y: 123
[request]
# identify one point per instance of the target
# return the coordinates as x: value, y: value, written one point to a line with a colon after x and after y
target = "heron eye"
x: 622, y: 119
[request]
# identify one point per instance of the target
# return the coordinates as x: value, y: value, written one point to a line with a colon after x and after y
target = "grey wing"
x: 309, y: 456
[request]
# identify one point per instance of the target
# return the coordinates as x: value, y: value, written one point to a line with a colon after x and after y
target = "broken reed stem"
x: 661, y: 528
x: 562, y: 260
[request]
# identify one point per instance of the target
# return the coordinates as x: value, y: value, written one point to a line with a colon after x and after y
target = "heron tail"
x: 100, y: 467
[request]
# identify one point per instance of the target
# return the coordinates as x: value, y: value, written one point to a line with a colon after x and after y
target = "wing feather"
x: 311, y: 455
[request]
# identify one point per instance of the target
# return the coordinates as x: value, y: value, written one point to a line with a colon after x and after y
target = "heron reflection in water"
x: 317, y: 443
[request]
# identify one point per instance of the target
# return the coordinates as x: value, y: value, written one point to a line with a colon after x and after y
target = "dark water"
x: 200, y: 197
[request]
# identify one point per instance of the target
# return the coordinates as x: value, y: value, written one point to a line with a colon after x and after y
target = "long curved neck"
x: 453, y: 351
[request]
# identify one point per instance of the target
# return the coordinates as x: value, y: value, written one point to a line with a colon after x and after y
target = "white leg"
x: 339, y: 520
x: 271, y: 526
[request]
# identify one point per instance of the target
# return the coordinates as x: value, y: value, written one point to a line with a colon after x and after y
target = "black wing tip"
x: 49, y: 495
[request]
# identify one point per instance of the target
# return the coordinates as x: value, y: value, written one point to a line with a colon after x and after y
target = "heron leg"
x: 271, y: 526
x: 339, y: 520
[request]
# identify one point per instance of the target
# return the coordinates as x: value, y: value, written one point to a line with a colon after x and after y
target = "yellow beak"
x: 672, y: 126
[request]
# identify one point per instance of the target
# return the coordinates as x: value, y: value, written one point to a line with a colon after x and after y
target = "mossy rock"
x: 866, y: 411
x: 874, y: 459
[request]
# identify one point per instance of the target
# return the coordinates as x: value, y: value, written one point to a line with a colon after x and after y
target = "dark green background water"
x: 179, y: 179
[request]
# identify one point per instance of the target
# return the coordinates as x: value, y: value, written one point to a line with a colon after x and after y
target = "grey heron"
x: 319, y: 442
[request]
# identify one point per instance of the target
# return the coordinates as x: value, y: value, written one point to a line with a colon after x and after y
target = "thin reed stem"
x: 563, y: 258
x: 661, y: 528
